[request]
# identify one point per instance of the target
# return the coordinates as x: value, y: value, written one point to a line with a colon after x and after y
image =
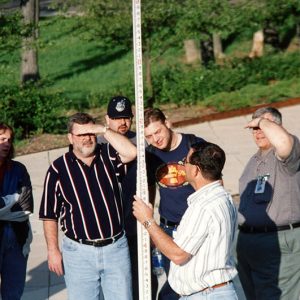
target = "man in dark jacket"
x: 16, y: 204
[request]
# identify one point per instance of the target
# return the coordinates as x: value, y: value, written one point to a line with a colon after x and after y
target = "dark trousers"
x: 12, y: 265
x: 166, y: 292
x: 269, y: 264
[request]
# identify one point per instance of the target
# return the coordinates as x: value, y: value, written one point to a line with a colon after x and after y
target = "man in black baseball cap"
x: 119, y: 118
x: 119, y: 115
x: 119, y: 107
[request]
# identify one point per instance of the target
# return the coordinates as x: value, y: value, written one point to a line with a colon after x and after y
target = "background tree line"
x: 202, y: 29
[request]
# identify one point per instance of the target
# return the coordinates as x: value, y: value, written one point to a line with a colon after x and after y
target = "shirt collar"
x: 260, y: 154
x: 202, y: 192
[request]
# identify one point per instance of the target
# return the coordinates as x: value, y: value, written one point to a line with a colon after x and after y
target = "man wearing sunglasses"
x: 268, y: 246
x: 202, y: 264
x: 82, y: 192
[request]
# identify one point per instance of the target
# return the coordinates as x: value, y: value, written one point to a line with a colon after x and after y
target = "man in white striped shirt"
x: 202, y: 265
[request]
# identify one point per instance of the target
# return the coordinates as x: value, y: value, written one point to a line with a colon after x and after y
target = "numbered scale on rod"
x: 142, y: 186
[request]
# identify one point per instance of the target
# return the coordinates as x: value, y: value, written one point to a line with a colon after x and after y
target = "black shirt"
x: 86, y: 199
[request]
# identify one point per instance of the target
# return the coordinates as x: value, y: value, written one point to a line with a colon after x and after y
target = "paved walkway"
x: 229, y: 134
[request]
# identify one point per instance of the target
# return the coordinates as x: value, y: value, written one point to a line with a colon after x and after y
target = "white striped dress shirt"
x: 206, y: 231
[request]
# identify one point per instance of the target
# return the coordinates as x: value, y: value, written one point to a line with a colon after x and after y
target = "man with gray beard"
x: 82, y: 193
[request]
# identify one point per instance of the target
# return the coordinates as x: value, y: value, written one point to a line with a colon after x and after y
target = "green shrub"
x: 188, y: 86
x: 254, y: 94
x: 32, y: 108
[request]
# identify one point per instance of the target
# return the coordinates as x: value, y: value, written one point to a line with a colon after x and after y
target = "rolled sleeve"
x: 292, y: 162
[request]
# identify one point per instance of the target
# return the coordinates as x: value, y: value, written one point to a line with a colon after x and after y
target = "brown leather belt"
x: 217, y: 285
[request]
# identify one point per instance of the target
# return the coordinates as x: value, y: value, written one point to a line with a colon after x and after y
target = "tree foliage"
x: 200, y: 19
x: 31, y: 108
x: 281, y: 16
x: 111, y: 22
x: 11, y: 30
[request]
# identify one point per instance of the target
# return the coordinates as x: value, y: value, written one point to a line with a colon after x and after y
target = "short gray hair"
x: 271, y: 110
x: 79, y: 118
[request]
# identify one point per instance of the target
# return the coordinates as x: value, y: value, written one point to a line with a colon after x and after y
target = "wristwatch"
x: 148, y: 223
x: 105, y: 128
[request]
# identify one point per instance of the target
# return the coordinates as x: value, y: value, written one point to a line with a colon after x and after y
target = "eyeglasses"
x: 82, y: 136
x: 254, y: 129
x: 122, y: 118
x: 185, y: 162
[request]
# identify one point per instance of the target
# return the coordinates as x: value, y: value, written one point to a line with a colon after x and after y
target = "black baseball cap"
x: 119, y: 107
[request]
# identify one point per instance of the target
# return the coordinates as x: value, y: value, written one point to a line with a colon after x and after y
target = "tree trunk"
x: 258, y: 45
x: 218, y: 48
x: 294, y: 44
x: 29, y: 65
x: 192, y: 52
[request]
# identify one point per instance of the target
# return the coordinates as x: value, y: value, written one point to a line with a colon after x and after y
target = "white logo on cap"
x: 120, y: 105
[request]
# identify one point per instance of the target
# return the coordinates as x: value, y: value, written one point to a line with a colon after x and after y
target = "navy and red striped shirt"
x: 85, y: 199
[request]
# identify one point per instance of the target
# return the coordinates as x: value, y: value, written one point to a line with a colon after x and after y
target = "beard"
x: 87, y: 149
x: 123, y: 129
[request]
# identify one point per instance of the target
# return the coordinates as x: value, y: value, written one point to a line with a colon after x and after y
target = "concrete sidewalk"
x: 228, y: 133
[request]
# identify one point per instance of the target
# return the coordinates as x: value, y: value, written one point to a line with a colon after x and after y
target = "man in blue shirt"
x: 168, y: 150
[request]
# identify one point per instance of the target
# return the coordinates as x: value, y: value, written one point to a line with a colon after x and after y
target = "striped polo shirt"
x: 86, y: 200
x: 206, y: 231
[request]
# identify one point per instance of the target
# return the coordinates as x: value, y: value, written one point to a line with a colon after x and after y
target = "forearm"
x: 167, y: 246
x: 144, y: 213
x: 280, y: 139
x: 125, y: 148
x: 54, y: 255
x: 51, y: 234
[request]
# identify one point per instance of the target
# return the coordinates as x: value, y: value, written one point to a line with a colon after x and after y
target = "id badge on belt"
x: 261, y: 184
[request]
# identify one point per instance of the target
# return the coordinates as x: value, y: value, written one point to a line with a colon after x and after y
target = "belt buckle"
x: 169, y: 226
x: 104, y: 242
x: 97, y: 243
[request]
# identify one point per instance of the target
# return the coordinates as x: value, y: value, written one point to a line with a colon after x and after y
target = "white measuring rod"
x: 144, y: 259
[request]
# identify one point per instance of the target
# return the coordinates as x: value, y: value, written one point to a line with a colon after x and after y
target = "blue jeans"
x: 12, y: 265
x: 166, y: 292
x: 90, y: 270
x: 226, y: 292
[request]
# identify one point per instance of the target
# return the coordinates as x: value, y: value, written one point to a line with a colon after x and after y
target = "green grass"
x: 86, y: 70
x: 255, y: 94
x: 70, y: 63
x: 77, y: 66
